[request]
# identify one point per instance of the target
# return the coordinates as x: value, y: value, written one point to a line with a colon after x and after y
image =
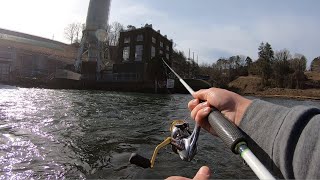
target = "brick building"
x: 136, y: 48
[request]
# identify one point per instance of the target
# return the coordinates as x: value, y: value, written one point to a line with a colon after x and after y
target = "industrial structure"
x: 93, y: 40
x: 133, y: 65
x: 24, y: 56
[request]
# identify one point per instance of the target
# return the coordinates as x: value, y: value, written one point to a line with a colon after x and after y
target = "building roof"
x: 30, y: 43
x: 147, y: 26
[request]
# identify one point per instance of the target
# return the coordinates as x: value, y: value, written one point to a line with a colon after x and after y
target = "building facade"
x: 23, y: 55
x: 136, y: 49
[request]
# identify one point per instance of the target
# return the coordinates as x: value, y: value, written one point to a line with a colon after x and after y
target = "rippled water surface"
x: 91, y: 134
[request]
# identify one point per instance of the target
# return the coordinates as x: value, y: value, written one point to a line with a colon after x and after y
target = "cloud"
x: 299, y: 34
x: 208, y: 34
x: 217, y: 41
x: 42, y: 18
x: 134, y: 13
x: 213, y: 40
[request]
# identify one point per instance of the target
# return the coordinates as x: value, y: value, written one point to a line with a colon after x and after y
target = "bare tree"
x: 114, y: 33
x: 78, y: 32
x: 282, y: 55
x: 281, y: 68
x: 73, y: 32
x: 299, y: 62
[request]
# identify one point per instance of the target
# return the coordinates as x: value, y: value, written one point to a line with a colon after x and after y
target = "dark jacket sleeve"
x: 286, y: 140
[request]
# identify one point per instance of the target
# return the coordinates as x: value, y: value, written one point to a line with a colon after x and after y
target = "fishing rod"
x: 231, y: 136
x: 185, y: 143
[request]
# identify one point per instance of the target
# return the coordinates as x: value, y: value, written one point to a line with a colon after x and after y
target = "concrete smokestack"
x: 95, y: 33
x: 98, y: 15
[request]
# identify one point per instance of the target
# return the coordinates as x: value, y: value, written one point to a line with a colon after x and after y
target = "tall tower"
x: 94, y: 35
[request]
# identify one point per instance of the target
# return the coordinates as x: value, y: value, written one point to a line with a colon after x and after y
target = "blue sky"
x: 211, y: 28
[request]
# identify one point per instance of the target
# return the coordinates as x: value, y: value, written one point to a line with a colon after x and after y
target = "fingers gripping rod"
x: 231, y: 136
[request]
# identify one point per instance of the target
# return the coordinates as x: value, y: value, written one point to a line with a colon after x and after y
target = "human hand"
x: 230, y: 104
x: 203, y: 174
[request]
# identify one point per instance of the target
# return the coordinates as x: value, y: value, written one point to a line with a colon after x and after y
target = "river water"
x: 91, y: 134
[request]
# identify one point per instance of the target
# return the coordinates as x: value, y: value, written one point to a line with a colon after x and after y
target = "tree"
x: 248, y: 61
x: 266, y: 52
x: 72, y: 32
x: 131, y: 27
x: 298, y: 64
x: 180, y: 64
x: 266, y: 56
x: 221, y: 73
x: 79, y: 30
x: 315, y: 65
x: 114, y: 33
x: 281, y: 68
x: 248, y: 64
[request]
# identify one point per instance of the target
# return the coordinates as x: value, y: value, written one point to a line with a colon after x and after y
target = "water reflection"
x: 91, y: 134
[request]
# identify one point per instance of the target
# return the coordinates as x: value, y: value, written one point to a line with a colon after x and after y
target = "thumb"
x: 204, y: 173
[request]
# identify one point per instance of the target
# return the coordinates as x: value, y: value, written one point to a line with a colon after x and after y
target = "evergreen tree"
x: 266, y: 56
x: 315, y: 64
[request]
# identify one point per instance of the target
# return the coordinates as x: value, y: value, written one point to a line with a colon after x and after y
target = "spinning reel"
x: 182, y: 140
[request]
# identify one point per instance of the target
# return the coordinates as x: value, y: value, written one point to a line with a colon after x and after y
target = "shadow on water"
x: 3, y: 86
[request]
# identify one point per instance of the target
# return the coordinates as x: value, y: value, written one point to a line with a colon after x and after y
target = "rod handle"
x: 226, y: 130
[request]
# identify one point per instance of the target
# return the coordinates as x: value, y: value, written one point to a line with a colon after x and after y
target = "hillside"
x: 251, y: 85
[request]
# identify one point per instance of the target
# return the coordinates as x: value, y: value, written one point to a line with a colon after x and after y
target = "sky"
x: 210, y: 28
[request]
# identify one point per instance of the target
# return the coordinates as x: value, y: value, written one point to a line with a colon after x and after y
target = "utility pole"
x: 197, y: 59
x: 193, y: 57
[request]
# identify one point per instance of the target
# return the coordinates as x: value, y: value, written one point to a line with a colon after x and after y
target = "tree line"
x: 73, y: 32
x: 275, y: 68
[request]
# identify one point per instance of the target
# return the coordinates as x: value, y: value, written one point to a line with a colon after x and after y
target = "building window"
x: 126, y: 53
x: 153, y: 52
x: 167, y: 47
x: 161, y: 52
x: 127, y: 40
x: 140, y: 37
x: 167, y: 55
x: 154, y: 40
x: 139, y: 50
x: 161, y: 44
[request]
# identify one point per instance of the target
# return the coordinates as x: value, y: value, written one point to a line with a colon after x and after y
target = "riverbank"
x: 119, y: 86
x: 251, y: 85
x: 313, y: 94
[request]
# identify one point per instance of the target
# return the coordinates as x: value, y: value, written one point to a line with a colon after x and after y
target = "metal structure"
x: 95, y: 33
